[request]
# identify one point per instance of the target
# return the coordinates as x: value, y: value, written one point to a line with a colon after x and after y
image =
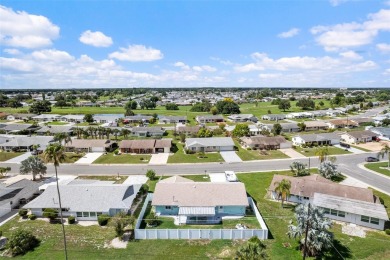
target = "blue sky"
x: 94, y: 44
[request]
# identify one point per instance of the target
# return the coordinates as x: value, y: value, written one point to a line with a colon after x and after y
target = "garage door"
x: 98, y: 149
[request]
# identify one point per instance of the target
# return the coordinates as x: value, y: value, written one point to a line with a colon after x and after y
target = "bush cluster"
x: 103, y: 219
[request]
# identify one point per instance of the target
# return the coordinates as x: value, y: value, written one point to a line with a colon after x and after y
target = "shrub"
x: 151, y: 174
x: 23, y: 212
x: 249, y: 148
x: 116, y: 152
x: 51, y: 214
x: 387, y: 231
x: 103, y: 219
x: 151, y: 219
x: 1, y: 233
x: 141, y: 159
x: 71, y: 220
x: 144, y: 189
x: 21, y: 241
x: 32, y: 217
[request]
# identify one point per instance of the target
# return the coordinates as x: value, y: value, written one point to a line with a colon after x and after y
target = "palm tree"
x: 79, y: 132
x: 108, y: 132
x: 55, y: 153
x: 116, y: 132
x: 299, y: 169
x: 63, y: 137
x: 313, y: 228
x: 34, y: 165
x: 91, y: 130
x: 385, y: 150
x: 283, y: 190
x: 253, y: 249
x: 322, y: 153
x: 35, y: 148
x: 125, y: 133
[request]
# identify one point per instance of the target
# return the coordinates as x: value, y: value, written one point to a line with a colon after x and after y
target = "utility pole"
x: 307, y: 231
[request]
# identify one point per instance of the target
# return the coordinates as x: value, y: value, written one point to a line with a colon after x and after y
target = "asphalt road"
x: 348, y: 165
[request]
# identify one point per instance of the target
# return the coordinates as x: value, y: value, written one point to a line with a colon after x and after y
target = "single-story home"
x: 274, y: 117
x: 342, y: 123
x: 333, y: 113
x: 237, y: 118
x: 25, y: 143
x: 86, y: 201
x: 188, y: 130
x: 147, y: 146
x: 363, y: 120
x: 16, y: 128
x: 15, y: 194
x: 209, y: 144
x: 286, y: 127
x: 340, y: 202
x: 73, y: 118
x: 199, y: 202
x: 47, y: 117
x: 209, y: 119
x: 382, y: 132
x: 147, y: 131
x: 265, y: 143
x: 90, y: 145
x: 54, y: 129
x: 107, y: 118
x: 136, y: 119
x: 315, y: 125
x: 13, y: 117
x: 317, y: 139
x: 172, y: 119
x: 355, y: 137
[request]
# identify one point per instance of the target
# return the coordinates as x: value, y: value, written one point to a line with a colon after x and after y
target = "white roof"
x: 197, y: 211
x: 210, y: 141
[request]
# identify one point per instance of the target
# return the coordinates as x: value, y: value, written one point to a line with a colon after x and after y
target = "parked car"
x: 345, y: 145
x: 372, y: 159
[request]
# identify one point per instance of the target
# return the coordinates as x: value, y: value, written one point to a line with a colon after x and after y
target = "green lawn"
x: 249, y: 155
x: 116, y: 179
x: 110, y: 158
x: 4, y: 156
x: 180, y: 157
x: 57, y: 123
x: 360, y: 148
x: 311, y: 151
x: 377, y: 167
x: 69, y: 157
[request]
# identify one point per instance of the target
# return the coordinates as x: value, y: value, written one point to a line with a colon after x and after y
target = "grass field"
x: 69, y: 157
x: 377, y: 167
x: 249, y: 155
x: 110, y: 158
x: 57, y: 123
x: 5, y: 156
x: 311, y: 151
x: 180, y: 157
x: 116, y: 179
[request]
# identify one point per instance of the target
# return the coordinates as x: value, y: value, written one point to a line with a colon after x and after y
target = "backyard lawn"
x: 378, y: 167
x: 5, y: 156
x: 180, y: 157
x: 311, y: 151
x: 110, y: 158
x: 249, y: 155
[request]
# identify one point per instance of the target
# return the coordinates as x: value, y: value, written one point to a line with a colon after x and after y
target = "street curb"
x: 361, y: 166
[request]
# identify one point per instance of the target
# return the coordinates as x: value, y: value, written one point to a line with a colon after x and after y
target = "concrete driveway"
x: 159, y: 159
x: 292, y: 153
x: 20, y: 158
x: 230, y: 157
x: 136, y: 179
x: 217, y: 177
x: 88, y: 158
x: 351, y: 149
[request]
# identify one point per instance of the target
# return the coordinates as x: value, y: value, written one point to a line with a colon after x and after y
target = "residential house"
x: 333, y: 113
x: 274, y: 117
x: 340, y: 202
x: 13, y: 117
x: 209, y: 119
x: 286, y: 127
x: 46, y: 117
x: 316, y: 139
x: 265, y: 143
x: 239, y: 118
x: 54, y: 129
x: 90, y: 145
x: 136, y: 119
x: 342, y: 123
x: 210, y: 144
x: 86, y: 200
x: 25, y: 143
x: 107, y: 118
x: 363, y: 120
x: 3, y: 115
x: 315, y: 125
x: 147, y: 131
x: 199, y: 202
x: 172, y: 119
x: 382, y: 132
x: 73, y: 118
x: 147, y: 146
x: 188, y: 130
x: 355, y: 137
x: 17, y: 128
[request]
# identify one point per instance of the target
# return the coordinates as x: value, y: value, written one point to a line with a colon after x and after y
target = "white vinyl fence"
x: 200, y: 233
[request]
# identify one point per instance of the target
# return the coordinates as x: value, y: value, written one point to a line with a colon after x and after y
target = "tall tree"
x: 277, y: 129
x: 328, y: 170
x: 253, y: 249
x: 322, y: 153
x: 33, y: 165
x: 55, y: 154
x: 313, y: 229
x: 299, y: 169
x: 385, y: 151
x: 284, y: 104
x: 62, y: 138
x: 88, y: 118
x: 283, y: 190
x: 241, y: 130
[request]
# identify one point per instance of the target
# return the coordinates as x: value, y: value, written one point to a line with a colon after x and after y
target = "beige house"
x: 147, y: 146
x: 355, y: 137
x: 90, y: 145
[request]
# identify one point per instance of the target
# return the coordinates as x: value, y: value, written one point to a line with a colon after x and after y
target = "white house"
x: 274, y: 117
x: 355, y: 137
x: 318, y: 139
x: 210, y: 144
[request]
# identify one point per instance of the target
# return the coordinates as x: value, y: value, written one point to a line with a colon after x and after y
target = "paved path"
x: 136, y: 179
x: 292, y: 153
x: 350, y: 149
x: 159, y: 159
x: 230, y: 157
x: 89, y: 158
x: 19, y: 159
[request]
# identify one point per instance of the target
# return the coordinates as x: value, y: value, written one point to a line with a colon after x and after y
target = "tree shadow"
x: 342, y: 252
x: 174, y: 148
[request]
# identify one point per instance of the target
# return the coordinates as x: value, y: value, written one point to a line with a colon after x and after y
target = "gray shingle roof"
x: 17, y: 127
x: 26, y: 141
x: 210, y: 141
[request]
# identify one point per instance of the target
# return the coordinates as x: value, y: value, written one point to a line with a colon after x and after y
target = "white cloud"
x: 290, y: 33
x: 352, y: 35
x: 351, y: 55
x: 97, y: 39
x: 12, y: 51
x: 269, y: 75
x: 337, y: 2
x: 20, y: 29
x: 52, y: 55
x: 383, y: 47
x: 136, y: 53
x: 181, y: 65
x: 204, y: 68
x: 387, y: 3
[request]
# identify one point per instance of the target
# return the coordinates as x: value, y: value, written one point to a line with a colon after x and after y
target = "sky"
x: 61, y: 44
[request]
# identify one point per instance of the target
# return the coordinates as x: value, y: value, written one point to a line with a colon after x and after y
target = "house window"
x: 92, y: 214
x: 98, y: 214
x: 326, y: 211
x: 333, y: 212
x: 306, y: 198
x: 79, y: 214
x: 168, y: 207
x: 85, y: 214
x: 365, y: 219
x: 341, y: 214
x: 374, y: 221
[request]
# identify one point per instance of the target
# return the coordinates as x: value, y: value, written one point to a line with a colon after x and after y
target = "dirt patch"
x: 373, y: 146
x: 118, y: 243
